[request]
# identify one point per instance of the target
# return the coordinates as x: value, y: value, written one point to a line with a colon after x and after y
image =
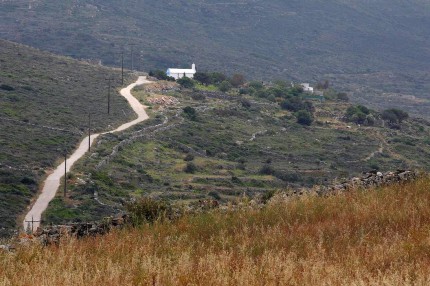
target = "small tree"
x: 323, y: 85
x: 203, y: 78
x: 237, y: 80
x: 296, y: 103
x: 190, y: 168
x: 160, y: 75
x: 394, y: 115
x: 359, y: 114
x: 217, y: 77
x: 190, y: 112
x: 224, y: 86
x: 267, y: 169
x: 189, y: 158
x: 342, y: 96
x: 246, y: 103
x: 186, y: 82
x: 304, y: 117
x: 257, y: 85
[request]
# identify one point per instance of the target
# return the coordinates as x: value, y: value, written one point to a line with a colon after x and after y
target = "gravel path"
x: 53, y: 181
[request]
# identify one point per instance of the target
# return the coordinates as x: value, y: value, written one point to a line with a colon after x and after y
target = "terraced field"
x: 229, y: 149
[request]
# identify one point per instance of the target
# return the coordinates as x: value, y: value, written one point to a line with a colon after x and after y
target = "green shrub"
x: 267, y: 196
x: 304, y: 117
x: 243, y: 90
x: 191, y: 168
x: 236, y: 180
x: 359, y: 114
x: 217, y: 77
x: 147, y: 210
x: 246, y: 103
x: 267, y: 170
x: 190, y: 112
x: 237, y: 80
x: 215, y: 195
x: 394, y: 115
x: 342, y: 96
x: 288, y: 177
x: 203, y: 78
x: 257, y: 85
x: 186, y: 82
x: 161, y: 75
x: 6, y: 87
x: 189, y: 157
x: 224, y: 86
x: 295, y: 104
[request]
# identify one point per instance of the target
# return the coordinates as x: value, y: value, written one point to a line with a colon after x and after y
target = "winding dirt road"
x: 53, y: 181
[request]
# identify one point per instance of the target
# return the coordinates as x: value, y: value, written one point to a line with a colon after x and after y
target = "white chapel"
x: 180, y: 73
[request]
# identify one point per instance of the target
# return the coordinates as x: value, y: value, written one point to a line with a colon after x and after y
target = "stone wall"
x: 52, y: 234
x: 368, y: 180
x: 371, y: 179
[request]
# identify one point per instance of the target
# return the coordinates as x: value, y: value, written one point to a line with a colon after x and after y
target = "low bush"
x: 161, y: 75
x: 267, y: 170
x: 148, y: 210
x: 394, y: 115
x: 6, y: 87
x: 190, y: 112
x: 191, y: 168
x: 186, y: 82
x: 304, y: 117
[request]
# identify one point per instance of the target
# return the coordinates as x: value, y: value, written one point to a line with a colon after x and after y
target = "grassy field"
x: 45, y: 101
x: 373, y: 237
x: 230, y: 150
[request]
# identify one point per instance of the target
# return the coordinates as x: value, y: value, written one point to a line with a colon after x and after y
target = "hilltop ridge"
x: 376, y: 50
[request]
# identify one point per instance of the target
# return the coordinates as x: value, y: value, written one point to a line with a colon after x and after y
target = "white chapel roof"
x: 181, y: 71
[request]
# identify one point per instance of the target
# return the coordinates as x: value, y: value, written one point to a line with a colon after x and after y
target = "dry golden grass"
x: 379, y: 237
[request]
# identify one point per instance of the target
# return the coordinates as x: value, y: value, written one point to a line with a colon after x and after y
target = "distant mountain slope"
x: 44, y: 105
x: 295, y: 39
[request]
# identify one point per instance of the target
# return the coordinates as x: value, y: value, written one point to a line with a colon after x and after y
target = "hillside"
x: 373, y: 237
x: 234, y: 145
x: 377, y: 50
x: 45, y: 101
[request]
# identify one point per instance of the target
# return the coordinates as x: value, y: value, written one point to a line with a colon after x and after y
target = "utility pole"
x: 122, y: 67
x: 65, y: 172
x: 89, y: 131
x: 109, y: 79
x: 132, y: 46
x: 32, y: 221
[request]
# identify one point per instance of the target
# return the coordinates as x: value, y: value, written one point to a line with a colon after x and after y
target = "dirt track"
x: 53, y: 181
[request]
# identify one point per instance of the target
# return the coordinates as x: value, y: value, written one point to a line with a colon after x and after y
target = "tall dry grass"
x: 378, y: 237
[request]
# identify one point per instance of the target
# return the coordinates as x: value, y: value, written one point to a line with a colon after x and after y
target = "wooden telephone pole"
x: 65, y: 173
x: 32, y: 221
x: 122, y: 67
x: 109, y: 80
x: 89, y: 131
x: 132, y: 60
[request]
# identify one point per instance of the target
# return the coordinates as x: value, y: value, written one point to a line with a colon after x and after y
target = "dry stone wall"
x: 371, y: 179
x: 52, y: 234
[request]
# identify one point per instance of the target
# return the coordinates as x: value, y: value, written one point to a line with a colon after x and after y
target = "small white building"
x: 307, y: 87
x: 180, y: 73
